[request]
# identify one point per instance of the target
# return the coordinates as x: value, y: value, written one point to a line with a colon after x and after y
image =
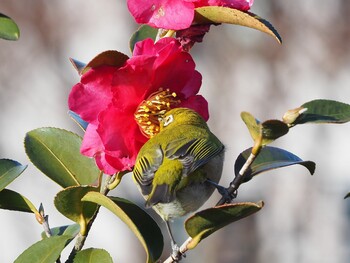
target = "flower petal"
x: 197, y: 103
x: 177, y: 73
x: 93, y: 93
x: 162, y: 13
x: 92, y: 143
x: 120, y: 136
x: 243, y: 5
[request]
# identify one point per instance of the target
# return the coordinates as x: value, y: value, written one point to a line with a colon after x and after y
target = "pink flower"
x: 243, y: 5
x: 122, y: 104
x: 176, y: 14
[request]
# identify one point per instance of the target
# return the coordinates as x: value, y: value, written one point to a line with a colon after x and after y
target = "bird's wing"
x: 145, y: 168
x: 193, y: 153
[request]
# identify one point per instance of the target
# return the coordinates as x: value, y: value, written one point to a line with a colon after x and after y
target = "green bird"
x: 178, y: 169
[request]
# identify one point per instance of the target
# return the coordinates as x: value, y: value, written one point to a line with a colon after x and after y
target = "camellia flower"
x: 176, y: 14
x: 122, y: 104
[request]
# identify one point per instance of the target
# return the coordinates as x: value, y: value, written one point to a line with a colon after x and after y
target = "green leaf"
x: 68, y: 202
x: 107, y: 58
x: 45, y: 251
x: 143, y: 226
x: 219, y: 14
x: 144, y: 31
x: 323, y: 111
x: 268, y: 131
x: 270, y: 158
x: 93, y: 255
x: 12, y: 200
x: 347, y: 196
x: 8, y: 28
x: 272, y: 130
x: 69, y: 230
x: 79, y: 66
x: 9, y: 171
x: 76, y: 118
x: 253, y: 125
x: 206, y: 222
x: 56, y: 153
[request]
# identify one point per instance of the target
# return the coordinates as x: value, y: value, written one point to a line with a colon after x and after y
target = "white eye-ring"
x: 169, y: 119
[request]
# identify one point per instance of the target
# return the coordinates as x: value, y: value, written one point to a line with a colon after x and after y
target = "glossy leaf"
x: 268, y: 130
x: 143, y: 226
x: 8, y: 28
x: 76, y: 118
x: 219, y: 14
x: 206, y: 222
x: 69, y: 230
x: 93, y: 255
x: 107, y: 58
x: 56, y: 153
x: 44, y: 251
x: 144, y: 31
x: 270, y: 158
x: 79, y: 66
x: 272, y: 130
x: 252, y: 124
x: 9, y: 171
x: 68, y: 202
x: 324, y: 111
x: 12, y: 200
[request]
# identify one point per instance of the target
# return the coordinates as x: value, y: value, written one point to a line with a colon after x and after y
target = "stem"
x: 44, y: 220
x: 164, y: 33
x: 234, y: 185
x: 80, y: 241
x: 115, y: 180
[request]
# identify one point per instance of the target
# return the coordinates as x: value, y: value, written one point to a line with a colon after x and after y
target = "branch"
x: 44, y: 220
x: 235, y: 184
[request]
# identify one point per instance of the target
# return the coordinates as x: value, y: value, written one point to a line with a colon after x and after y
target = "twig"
x: 234, y: 185
x: 44, y: 220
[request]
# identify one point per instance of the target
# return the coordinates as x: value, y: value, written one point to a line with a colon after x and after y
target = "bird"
x: 178, y: 169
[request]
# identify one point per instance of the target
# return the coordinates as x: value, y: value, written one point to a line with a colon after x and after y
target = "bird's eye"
x: 169, y: 119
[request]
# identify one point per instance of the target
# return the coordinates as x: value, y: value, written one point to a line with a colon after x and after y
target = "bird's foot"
x: 225, y: 193
x: 176, y: 254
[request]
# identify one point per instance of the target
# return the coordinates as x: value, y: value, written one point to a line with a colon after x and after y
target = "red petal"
x: 120, y: 135
x: 93, y: 94
x: 178, y: 74
x: 197, y: 103
x: 162, y: 13
x: 92, y: 143
x: 243, y: 5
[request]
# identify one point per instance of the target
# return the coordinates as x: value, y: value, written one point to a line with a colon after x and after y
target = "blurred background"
x: 305, y: 218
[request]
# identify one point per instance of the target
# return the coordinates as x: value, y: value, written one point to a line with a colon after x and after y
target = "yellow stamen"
x: 150, y: 110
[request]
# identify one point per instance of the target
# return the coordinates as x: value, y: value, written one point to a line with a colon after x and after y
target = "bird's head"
x: 181, y: 116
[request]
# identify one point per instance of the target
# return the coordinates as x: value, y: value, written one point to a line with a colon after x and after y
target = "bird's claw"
x: 176, y: 254
x: 226, y: 194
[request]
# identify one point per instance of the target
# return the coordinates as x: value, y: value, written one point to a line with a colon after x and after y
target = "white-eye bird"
x: 178, y: 168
